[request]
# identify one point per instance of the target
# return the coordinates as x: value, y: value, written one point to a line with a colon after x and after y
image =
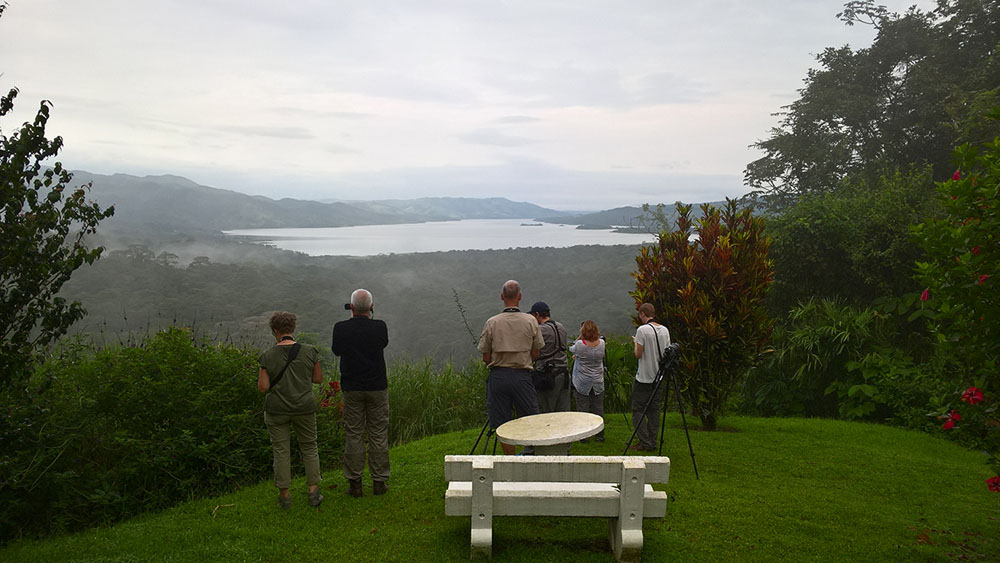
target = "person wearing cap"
x: 509, y: 343
x: 551, y: 375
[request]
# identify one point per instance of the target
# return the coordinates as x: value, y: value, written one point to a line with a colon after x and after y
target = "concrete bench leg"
x: 482, y: 510
x: 626, y: 531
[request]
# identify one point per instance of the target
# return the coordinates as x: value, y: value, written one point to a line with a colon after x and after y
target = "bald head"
x: 511, y: 293
x: 361, y: 301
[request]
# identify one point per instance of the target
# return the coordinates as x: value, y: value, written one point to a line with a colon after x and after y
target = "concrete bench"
x: 614, y: 487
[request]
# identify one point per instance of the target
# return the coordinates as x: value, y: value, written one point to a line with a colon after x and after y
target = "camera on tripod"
x: 669, y: 357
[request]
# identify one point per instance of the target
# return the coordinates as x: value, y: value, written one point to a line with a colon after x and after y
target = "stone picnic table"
x: 550, y: 433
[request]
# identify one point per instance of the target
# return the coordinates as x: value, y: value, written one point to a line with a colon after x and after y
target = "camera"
x: 347, y: 306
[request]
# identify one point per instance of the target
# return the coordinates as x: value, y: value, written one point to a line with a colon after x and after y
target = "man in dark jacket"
x: 551, y: 359
x: 360, y: 343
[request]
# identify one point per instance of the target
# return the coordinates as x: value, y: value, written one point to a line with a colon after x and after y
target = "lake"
x: 439, y: 236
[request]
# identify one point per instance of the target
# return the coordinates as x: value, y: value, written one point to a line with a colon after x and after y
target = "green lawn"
x: 770, y: 489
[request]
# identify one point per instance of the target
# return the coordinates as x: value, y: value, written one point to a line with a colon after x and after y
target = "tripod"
x: 489, y: 434
x: 667, y: 364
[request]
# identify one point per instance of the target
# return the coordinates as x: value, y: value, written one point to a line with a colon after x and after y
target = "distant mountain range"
x: 175, y: 204
x: 172, y: 204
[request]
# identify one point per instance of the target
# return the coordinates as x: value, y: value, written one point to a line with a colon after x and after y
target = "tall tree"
x: 43, y: 230
x: 920, y: 89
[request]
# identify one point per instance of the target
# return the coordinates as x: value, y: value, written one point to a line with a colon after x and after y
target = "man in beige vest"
x: 509, y: 343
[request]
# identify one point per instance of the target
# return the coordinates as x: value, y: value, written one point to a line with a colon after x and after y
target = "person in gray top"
x: 552, y: 361
x: 588, y: 372
x: 287, y: 373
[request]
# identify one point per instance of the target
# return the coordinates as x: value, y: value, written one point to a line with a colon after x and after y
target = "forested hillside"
x: 415, y: 294
x: 172, y: 204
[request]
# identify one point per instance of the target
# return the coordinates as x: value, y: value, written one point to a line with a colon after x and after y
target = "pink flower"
x: 983, y: 278
x: 925, y: 295
x: 948, y: 424
x: 955, y: 416
x: 993, y: 483
x: 957, y: 175
x: 972, y: 396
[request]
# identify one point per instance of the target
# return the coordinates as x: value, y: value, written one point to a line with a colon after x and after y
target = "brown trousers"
x: 366, y: 413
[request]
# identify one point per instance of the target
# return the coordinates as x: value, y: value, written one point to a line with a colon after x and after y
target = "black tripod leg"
x: 663, y: 417
x: 645, y: 409
x: 474, y: 446
x: 680, y: 407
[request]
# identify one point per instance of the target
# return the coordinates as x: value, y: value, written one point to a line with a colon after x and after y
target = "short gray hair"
x: 361, y: 301
x: 510, y: 290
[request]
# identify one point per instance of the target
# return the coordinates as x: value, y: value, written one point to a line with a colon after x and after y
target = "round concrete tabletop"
x: 550, y: 428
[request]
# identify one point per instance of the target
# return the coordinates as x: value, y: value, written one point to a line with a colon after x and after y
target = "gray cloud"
x: 670, y: 88
x: 528, y: 180
x: 508, y: 119
x: 495, y: 138
x: 279, y: 132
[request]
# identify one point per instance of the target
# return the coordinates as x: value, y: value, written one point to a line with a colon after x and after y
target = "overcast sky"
x: 573, y: 104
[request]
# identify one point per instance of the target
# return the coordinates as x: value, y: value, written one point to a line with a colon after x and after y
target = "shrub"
x: 853, y: 243
x: 709, y: 291
x: 961, y: 275
x: 832, y: 359
x: 108, y: 434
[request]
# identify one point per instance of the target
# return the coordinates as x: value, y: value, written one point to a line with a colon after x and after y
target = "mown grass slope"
x: 770, y: 489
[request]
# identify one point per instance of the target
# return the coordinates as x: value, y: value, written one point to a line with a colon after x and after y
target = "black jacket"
x: 360, y: 342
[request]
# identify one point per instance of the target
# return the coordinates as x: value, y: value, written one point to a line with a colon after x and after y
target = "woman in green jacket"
x: 288, y: 371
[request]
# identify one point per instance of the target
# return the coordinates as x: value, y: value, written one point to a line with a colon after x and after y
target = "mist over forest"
x: 167, y: 265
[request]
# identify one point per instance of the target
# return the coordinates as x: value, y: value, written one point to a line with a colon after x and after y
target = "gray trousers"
x: 592, y: 402
x: 366, y: 412
x: 650, y: 426
x: 557, y: 398
x: 279, y: 427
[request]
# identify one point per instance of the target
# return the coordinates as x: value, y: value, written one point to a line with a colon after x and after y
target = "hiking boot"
x: 355, y: 488
x: 315, y: 498
x: 380, y: 487
x: 284, y: 502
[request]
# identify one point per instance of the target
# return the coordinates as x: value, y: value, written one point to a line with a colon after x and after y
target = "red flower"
x: 925, y: 295
x: 335, y: 385
x: 325, y: 403
x: 993, y: 483
x: 975, y: 249
x: 972, y: 396
x: 948, y: 424
x: 983, y: 278
x: 957, y: 175
x: 955, y: 416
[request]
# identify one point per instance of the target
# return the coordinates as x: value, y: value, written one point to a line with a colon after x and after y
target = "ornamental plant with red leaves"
x: 709, y: 291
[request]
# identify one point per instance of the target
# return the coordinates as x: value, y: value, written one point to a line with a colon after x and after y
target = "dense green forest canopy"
x: 418, y: 295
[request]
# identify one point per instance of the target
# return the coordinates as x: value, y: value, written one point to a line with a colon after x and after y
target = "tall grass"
x: 424, y: 401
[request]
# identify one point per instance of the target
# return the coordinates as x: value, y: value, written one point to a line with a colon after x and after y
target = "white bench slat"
x: 577, y: 469
x: 552, y: 499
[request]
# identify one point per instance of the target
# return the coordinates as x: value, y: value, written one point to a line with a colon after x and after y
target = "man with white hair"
x: 360, y: 343
x: 509, y: 343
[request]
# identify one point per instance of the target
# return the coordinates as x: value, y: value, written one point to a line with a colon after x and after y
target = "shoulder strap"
x: 659, y: 351
x: 555, y: 328
x: 291, y: 356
